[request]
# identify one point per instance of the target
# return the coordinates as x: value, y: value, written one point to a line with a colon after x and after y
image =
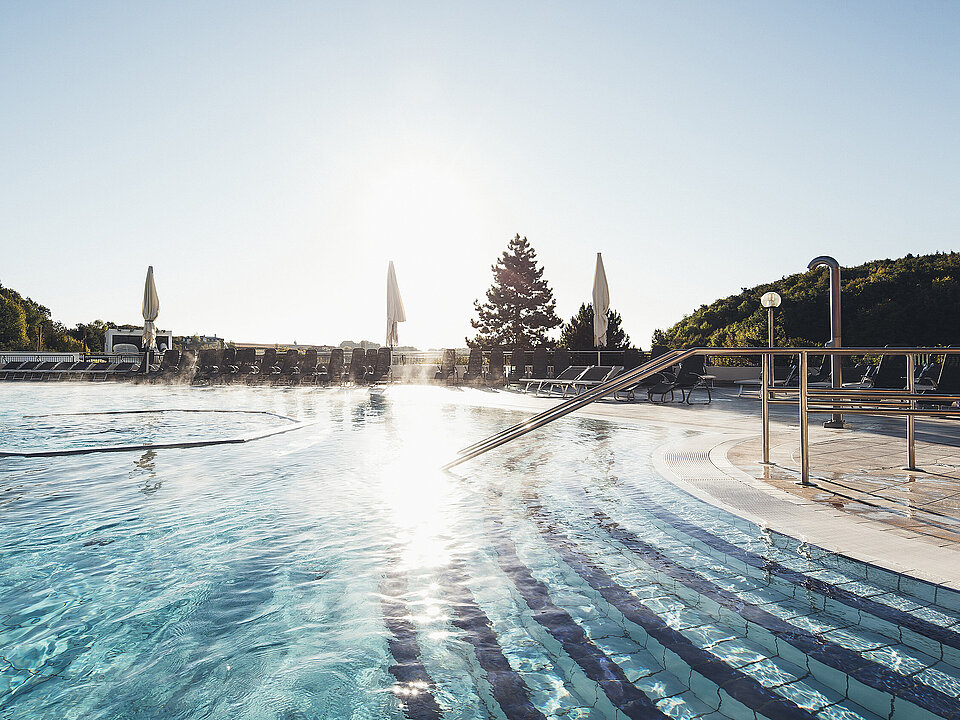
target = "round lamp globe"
x: 770, y: 300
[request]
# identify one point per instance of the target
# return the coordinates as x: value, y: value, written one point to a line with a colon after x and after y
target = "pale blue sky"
x: 268, y: 159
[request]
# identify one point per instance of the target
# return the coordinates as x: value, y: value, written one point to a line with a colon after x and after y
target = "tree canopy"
x: 26, y: 325
x: 911, y: 301
x: 520, y: 308
x: 577, y: 332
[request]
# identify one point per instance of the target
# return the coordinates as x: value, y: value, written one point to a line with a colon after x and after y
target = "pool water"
x: 335, y: 572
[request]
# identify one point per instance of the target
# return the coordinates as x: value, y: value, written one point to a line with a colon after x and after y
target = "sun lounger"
x: 689, y: 378
x: 495, y: 368
x: 540, y: 362
x: 208, y: 366
x: 290, y: 370
x: 474, y: 373
x: 595, y: 376
x: 891, y: 374
x: 335, y: 368
x: 518, y: 366
x: 948, y: 381
x: 41, y: 371
x: 381, y: 372
x: 25, y: 370
x: 561, y: 361
x: 308, y: 367
x: 248, y: 367
x: 269, y: 366
x: 169, y: 364
x: 8, y: 370
x: 561, y: 381
x: 121, y: 370
x: 447, y: 372
x: 357, y: 369
x: 77, y: 371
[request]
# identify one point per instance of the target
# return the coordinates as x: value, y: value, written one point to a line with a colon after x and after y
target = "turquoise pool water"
x: 334, y: 572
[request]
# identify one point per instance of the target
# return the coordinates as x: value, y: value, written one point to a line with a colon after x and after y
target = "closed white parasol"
x: 601, y: 304
x: 395, y: 313
x: 151, y: 308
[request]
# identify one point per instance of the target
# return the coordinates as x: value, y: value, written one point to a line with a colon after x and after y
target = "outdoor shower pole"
x: 837, y: 381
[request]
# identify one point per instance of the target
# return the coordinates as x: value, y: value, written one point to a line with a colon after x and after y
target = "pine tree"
x: 577, y: 333
x: 520, y: 308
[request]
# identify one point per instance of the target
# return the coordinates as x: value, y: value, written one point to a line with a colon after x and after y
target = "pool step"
x: 925, y: 627
x: 862, y: 679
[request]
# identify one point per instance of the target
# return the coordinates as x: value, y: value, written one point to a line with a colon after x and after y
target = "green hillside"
x: 27, y: 325
x: 911, y: 301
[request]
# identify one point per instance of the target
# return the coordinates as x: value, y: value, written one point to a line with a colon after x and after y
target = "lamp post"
x: 770, y: 301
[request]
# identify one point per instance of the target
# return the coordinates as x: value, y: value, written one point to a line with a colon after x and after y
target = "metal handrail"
x: 620, y: 382
x: 818, y: 400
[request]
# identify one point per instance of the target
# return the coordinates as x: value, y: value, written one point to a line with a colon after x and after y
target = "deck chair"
x: 269, y: 366
x: 208, y: 366
x: 891, y: 374
x: 357, y: 371
x: 495, y: 368
x: 474, y: 373
x: 447, y: 372
x: 381, y: 371
x: 335, y: 366
x: 56, y: 373
x: 823, y: 374
x: 370, y: 364
x: 562, y: 381
x: 540, y: 362
x: 947, y: 383
x: 595, y: 376
x: 6, y: 372
x: 247, y: 363
x: 229, y: 366
x: 25, y: 370
x: 169, y: 364
x: 561, y: 361
x: 308, y: 367
x: 518, y: 365
x: 41, y: 371
x: 290, y: 369
x: 688, y: 379
x: 77, y: 370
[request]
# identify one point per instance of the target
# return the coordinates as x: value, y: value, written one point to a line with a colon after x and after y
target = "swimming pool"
x: 335, y: 572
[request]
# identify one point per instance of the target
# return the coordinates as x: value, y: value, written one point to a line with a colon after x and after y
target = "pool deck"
x: 860, y: 502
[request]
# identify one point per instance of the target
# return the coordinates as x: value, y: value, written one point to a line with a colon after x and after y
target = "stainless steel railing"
x: 565, y: 408
x: 810, y: 400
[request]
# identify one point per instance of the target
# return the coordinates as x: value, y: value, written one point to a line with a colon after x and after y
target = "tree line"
x: 912, y: 301
x: 27, y: 325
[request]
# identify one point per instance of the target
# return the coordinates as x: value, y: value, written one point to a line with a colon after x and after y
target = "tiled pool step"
x: 828, y: 656
x: 713, y: 681
x: 922, y: 626
x: 875, y: 671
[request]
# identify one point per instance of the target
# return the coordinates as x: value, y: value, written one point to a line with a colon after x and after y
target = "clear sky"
x: 269, y: 158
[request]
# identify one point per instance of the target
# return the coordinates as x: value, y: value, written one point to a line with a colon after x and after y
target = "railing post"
x: 765, y: 405
x: 911, y: 420
x: 804, y: 428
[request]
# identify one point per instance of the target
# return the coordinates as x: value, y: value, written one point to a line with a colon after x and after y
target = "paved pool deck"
x: 861, y: 502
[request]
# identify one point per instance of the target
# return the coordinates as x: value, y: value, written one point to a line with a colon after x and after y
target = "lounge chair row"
x: 575, y: 379
x: 67, y: 370
x: 292, y: 368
